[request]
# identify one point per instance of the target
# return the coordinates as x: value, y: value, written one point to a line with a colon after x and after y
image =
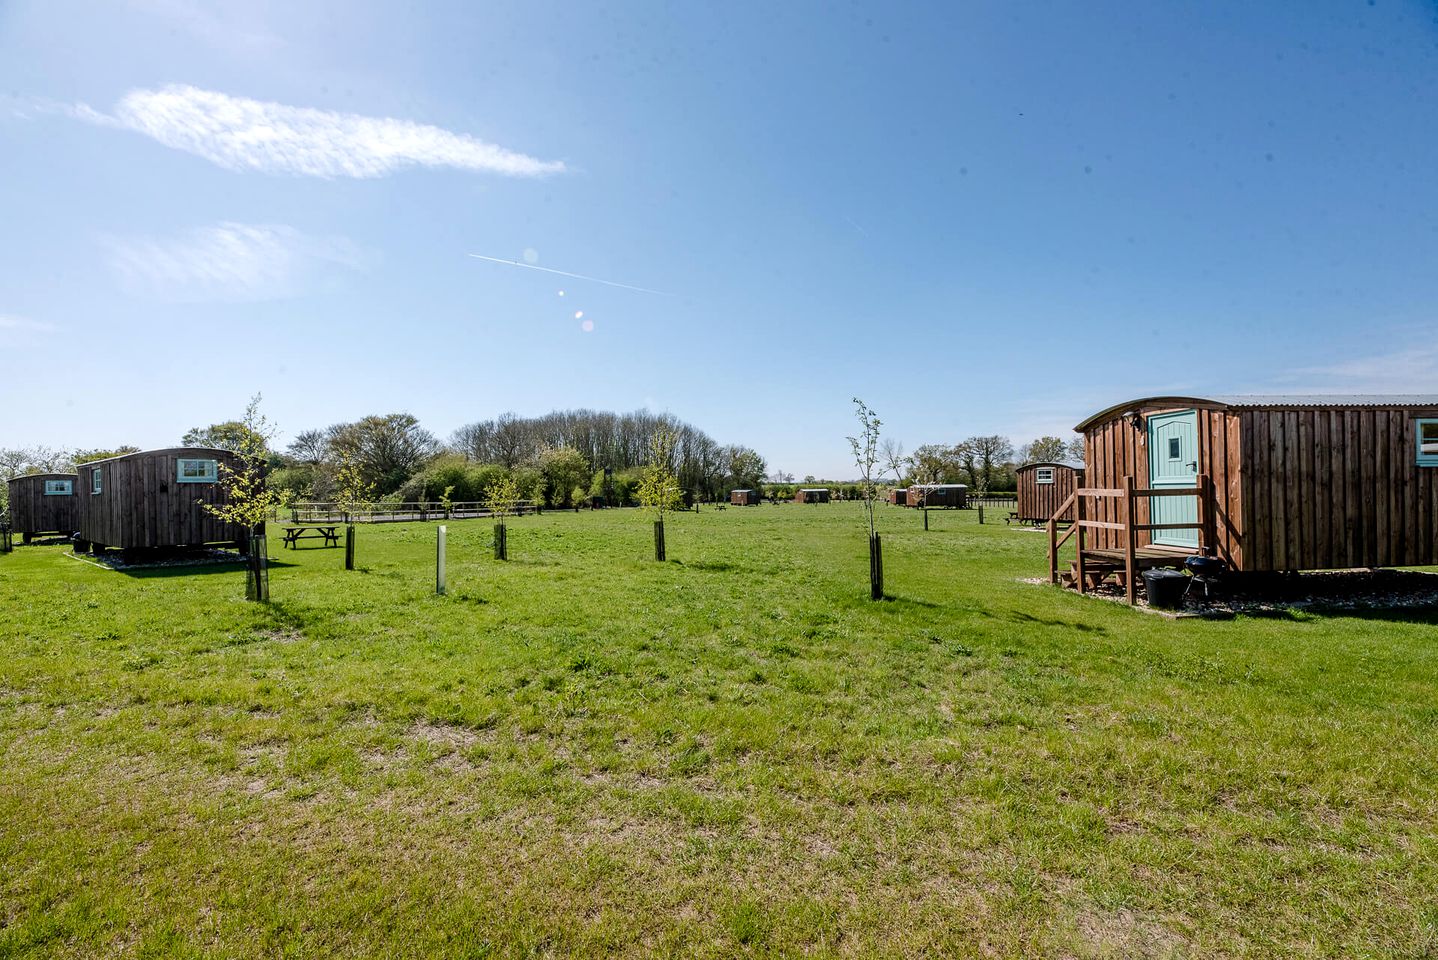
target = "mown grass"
x: 585, y: 752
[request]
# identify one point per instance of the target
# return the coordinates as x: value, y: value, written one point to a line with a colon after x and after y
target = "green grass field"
x: 585, y: 752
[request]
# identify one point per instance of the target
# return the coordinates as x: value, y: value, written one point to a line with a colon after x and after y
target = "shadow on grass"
x: 181, y: 570
x: 1426, y: 616
x: 1018, y: 616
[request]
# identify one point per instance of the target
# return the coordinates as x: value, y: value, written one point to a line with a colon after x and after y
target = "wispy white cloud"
x: 227, y: 262
x: 19, y: 324
x: 241, y: 134
x: 1409, y: 370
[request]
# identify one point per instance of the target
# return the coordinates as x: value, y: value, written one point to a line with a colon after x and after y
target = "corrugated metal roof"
x: 1328, y: 400
x: 1258, y: 401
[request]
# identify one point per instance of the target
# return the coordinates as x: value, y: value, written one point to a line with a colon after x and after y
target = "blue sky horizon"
x: 980, y: 218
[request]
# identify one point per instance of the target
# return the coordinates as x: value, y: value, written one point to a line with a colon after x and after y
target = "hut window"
x: 197, y: 471
x: 1175, y: 448
x: 96, y: 484
x: 1428, y: 443
x: 58, y: 488
x: 1044, y: 475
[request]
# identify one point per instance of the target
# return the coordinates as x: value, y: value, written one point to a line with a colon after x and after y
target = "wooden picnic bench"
x: 328, y: 533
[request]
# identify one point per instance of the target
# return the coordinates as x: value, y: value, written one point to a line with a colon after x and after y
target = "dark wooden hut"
x: 898, y: 497
x: 151, y: 500
x: 745, y: 498
x: 938, y: 495
x: 1043, y: 487
x: 43, y: 503
x: 811, y: 495
x: 1265, y: 483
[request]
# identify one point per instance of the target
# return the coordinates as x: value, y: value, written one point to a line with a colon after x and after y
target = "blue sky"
x: 978, y: 217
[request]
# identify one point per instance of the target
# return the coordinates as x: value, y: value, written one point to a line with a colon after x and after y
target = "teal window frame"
x: 59, y: 488
x: 210, y: 477
x: 1426, y: 458
x: 97, y: 482
x: 1043, y: 475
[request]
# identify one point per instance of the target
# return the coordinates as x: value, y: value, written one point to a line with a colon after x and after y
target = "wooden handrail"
x: 1054, y: 541
x: 1128, y: 526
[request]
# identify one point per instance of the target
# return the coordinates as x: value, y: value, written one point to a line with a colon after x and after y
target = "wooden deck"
x: 1144, y: 558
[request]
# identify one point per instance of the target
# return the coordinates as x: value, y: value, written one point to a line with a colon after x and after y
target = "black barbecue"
x: 1205, y: 570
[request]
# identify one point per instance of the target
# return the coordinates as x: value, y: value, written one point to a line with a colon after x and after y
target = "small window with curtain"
x: 197, y: 471
x: 1044, y: 475
x: 59, y: 488
x: 1428, y: 443
x: 97, y: 482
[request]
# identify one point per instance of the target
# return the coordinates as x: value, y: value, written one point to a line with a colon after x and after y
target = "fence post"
x: 1129, y: 537
x: 7, y: 544
x: 1053, y: 550
x: 439, y: 585
x: 1078, y: 546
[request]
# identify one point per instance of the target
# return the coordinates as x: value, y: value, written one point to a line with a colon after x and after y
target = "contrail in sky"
x: 576, y: 276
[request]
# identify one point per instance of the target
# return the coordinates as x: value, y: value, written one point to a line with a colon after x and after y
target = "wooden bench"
x: 329, y: 534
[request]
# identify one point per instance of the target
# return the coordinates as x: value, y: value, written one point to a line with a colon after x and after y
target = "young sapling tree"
x: 353, y: 493
x: 248, y: 501
x: 658, y: 490
x: 865, y: 448
x: 502, y: 498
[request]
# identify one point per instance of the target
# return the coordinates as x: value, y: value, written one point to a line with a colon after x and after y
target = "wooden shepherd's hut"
x: 745, y: 498
x: 1043, y: 487
x: 898, y: 497
x: 1265, y: 483
x: 811, y: 495
x: 938, y: 495
x: 151, y: 500
x: 43, y: 503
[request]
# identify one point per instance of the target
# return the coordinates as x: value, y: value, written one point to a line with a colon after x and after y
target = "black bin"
x: 1165, y: 588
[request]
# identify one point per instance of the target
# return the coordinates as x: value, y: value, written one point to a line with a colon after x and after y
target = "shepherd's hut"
x: 42, y: 503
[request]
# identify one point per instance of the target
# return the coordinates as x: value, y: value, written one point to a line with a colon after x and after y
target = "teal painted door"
x: 1173, y: 462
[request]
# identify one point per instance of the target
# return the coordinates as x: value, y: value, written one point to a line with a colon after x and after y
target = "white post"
x: 439, y: 562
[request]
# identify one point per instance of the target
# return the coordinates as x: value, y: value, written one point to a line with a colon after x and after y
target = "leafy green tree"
x: 232, y: 435
x: 387, y: 450
x: 563, y: 469
x: 1044, y: 450
x: 90, y: 456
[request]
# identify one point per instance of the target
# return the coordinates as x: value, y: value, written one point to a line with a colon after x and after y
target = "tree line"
x: 559, y: 459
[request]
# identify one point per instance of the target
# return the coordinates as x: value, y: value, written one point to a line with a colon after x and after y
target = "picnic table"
x: 329, y: 533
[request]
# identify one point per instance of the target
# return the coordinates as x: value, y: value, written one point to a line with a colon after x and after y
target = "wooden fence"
x: 321, y: 512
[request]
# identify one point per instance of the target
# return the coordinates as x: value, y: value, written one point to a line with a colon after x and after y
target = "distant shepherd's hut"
x: 898, y: 497
x: 941, y: 495
x: 1044, y: 487
x: 149, y: 500
x: 43, y: 503
x: 745, y: 498
x: 811, y: 495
